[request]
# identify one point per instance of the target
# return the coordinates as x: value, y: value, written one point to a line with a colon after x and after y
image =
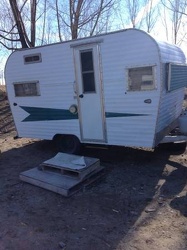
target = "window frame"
x: 27, y: 82
x: 32, y: 56
x: 153, y: 67
x: 171, y: 70
x: 85, y: 72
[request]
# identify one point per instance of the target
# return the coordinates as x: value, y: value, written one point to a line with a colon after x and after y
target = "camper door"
x: 89, y: 93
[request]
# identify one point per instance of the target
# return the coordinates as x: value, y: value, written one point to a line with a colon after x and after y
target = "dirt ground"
x: 139, y: 204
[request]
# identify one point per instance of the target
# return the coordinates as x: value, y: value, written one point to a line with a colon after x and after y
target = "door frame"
x: 95, y: 47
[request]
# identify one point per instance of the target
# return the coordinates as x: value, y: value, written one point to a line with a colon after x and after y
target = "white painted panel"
x: 90, y: 105
x: 170, y: 108
x: 45, y: 129
x: 118, y: 51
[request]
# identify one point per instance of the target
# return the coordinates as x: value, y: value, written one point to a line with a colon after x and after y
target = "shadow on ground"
x: 99, y: 217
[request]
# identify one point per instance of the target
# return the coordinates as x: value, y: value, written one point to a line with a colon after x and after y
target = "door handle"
x: 148, y: 101
x: 81, y: 96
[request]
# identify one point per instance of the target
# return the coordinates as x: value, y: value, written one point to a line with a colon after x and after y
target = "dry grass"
x: 2, y: 93
x: 3, y: 88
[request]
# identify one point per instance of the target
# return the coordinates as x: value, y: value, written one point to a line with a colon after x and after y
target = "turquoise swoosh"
x: 49, y: 114
x: 113, y: 114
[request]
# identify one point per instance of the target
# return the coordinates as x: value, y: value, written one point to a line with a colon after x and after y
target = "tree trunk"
x: 19, y: 22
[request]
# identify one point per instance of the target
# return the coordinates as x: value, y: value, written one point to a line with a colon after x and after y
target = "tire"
x: 181, y: 146
x: 172, y: 147
x: 68, y: 144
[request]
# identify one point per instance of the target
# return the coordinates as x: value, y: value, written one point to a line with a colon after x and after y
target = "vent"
x: 36, y: 58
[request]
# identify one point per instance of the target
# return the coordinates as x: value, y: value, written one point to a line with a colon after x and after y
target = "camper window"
x: 26, y: 89
x: 176, y: 76
x: 32, y: 58
x: 140, y: 78
x: 87, y: 71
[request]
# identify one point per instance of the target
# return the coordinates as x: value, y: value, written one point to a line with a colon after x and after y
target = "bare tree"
x: 29, y: 22
x: 8, y: 34
x: 21, y: 31
x: 140, y: 14
x: 177, y: 10
x: 151, y: 14
x: 58, y: 20
x: 82, y: 17
x: 133, y: 9
x: 164, y: 20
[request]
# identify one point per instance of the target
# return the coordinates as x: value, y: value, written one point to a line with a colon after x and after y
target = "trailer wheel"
x: 68, y: 144
x: 178, y: 147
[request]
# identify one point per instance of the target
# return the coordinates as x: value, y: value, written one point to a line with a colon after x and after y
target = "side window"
x: 141, y: 78
x: 176, y: 76
x: 87, y: 68
x: 26, y: 88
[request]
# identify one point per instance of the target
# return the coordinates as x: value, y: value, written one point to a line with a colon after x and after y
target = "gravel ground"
x: 140, y: 202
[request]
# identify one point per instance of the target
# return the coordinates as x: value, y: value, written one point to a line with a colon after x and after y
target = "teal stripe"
x: 49, y: 114
x: 113, y: 114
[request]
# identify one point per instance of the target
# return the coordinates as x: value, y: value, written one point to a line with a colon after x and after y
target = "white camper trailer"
x: 121, y: 88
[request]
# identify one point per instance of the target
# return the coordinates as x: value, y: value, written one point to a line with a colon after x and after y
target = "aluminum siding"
x: 119, y: 50
x: 170, y: 102
x: 130, y: 49
x: 56, y: 78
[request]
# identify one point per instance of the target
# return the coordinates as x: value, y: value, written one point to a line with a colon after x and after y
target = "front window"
x: 141, y: 78
x: 26, y: 88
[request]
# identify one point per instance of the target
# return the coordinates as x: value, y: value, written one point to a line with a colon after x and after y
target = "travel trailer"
x: 122, y: 88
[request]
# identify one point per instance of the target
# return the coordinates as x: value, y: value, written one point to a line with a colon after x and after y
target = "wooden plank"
x: 74, y: 166
x: 56, y: 182
x: 79, y: 175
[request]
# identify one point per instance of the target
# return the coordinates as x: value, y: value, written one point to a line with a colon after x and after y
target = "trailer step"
x: 64, y: 180
x: 74, y: 166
